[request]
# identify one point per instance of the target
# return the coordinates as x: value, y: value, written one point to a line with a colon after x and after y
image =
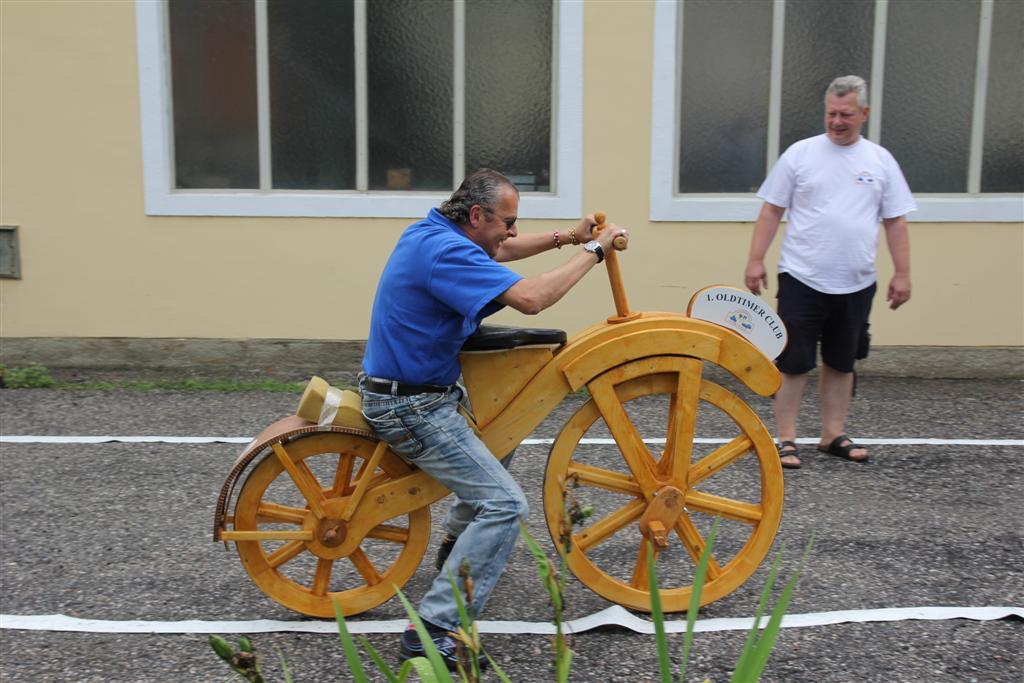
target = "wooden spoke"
x: 619, y: 571
x: 270, y: 513
x: 267, y: 535
x: 695, y: 544
x: 718, y: 459
x: 600, y: 531
x: 387, y: 532
x: 365, y: 568
x: 303, y: 478
x: 640, y: 580
x: 683, y: 422
x: 342, y: 475
x: 665, y: 462
x: 364, y: 481
x: 322, y: 577
x: 363, y: 467
x: 588, y: 475
x: 283, y: 572
x: 631, y: 444
x: 726, y: 507
x: 289, y: 551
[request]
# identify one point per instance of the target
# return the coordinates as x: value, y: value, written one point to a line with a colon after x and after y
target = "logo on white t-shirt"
x: 865, y: 177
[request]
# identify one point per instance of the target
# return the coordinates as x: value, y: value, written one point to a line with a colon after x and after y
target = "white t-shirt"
x: 836, y: 195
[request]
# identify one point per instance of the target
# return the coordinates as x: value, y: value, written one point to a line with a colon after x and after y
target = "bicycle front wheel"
x: 634, y: 440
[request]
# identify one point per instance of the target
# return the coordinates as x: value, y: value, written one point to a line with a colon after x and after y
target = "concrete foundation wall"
x: 303, y: 357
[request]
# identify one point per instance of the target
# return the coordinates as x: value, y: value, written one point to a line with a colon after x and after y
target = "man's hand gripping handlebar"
x: 619, y: 241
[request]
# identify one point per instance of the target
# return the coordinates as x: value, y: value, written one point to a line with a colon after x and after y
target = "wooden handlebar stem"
x: 611, y: 260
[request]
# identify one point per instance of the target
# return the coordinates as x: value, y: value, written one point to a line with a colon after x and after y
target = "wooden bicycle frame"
x: 513, y: 390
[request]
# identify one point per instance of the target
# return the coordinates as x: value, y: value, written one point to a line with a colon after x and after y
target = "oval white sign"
x: 741, y: 312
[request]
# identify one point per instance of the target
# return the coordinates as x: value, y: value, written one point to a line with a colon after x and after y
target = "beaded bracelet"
x: 572, y: 236
x: 558, y: 241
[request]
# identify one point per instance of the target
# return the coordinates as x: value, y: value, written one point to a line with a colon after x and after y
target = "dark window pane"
x: 823, y: 40
x: 508, y: 89
x: 312, y: 94
x: 723, y: 108
x: 409, y: 45
x: 930, y: 56
x: 1002, y: 168
x: 213, y: 76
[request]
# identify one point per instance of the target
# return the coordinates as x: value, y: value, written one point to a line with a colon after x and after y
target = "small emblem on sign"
x: 740, y: 320
x: 742, y: 312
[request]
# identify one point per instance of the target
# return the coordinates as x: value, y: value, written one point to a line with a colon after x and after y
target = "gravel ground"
x: 122, y: 531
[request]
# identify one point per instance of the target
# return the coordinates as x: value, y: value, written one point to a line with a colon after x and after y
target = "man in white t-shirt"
x: 837, y: 187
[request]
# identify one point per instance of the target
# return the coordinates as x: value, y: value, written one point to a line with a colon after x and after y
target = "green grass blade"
x: 745, y: 662
x: 562, y: 663
x: 355, y: 667
x: 423, y: 669
x: 284, y: 668
x: 502, y: 676
x: 698, y: 586
x: 436, y: 662
x: 382, y: 666
x: 466, y: 620
x: 544, y: 569
x: 658, y: 617
x: 766, y: 642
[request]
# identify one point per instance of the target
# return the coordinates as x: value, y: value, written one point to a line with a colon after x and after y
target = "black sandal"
x: 787, y: 449
x: 837, y: 449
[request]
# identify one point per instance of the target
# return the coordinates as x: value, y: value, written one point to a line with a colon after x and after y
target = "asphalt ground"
x: 121, y: 531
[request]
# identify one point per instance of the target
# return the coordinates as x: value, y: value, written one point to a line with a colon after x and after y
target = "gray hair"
x: 483, y: 187
x: 845, y: 85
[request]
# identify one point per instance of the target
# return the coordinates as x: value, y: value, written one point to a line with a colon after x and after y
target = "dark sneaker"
x: 411, y: 646
x: 444, y: 551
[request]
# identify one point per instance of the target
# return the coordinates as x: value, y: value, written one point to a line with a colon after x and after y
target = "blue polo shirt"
x: 435, y: 289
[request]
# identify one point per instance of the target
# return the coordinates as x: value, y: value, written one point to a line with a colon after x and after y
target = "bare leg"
x: 836, y: 391
x: 787, y: 407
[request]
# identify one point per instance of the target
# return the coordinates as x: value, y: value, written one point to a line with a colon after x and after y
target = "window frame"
x: 667, y: 204
x: 163, y: 199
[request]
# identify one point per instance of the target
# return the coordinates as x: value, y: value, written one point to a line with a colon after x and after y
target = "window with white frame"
x: 737, y: 81
x: 357, y: 107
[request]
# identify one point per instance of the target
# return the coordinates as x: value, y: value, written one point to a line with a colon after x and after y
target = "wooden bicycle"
x: 326, y: 511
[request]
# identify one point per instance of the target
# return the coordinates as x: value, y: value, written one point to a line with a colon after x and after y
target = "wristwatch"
x: 594, y: 247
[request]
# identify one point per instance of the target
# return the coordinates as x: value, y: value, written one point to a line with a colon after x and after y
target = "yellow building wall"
x: 94, y: 265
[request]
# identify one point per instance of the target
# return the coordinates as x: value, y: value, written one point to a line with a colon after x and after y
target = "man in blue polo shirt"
x: 443, y: 277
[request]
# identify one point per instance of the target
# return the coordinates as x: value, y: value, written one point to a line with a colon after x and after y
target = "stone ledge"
x: 301, y: 358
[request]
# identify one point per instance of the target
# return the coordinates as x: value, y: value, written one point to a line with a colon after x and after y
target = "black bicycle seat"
x: 497, y: 337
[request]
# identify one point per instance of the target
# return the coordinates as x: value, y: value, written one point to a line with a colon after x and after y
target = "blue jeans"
x: 427, y: 431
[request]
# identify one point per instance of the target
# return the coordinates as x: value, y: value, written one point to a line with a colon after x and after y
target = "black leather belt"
x: 387, y: 386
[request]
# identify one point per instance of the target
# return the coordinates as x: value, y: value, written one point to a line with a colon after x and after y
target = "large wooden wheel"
x: 669, y: 483
x: 293, y: 513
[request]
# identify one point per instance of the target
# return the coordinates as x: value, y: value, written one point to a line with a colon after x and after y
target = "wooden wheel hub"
x: 330, y: 532
x: 661, y: 515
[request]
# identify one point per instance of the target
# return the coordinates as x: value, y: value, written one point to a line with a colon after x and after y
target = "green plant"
x: 36, y: 376
x: 553, y: 579
x: 432, y: 669
x: 244, y: 661
x: 32, y: 376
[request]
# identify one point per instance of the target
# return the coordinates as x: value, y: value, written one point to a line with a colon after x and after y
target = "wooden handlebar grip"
x: 621, y: 243
x: 614, y: 274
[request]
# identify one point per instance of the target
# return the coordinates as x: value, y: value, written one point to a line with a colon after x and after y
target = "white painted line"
x: 123, y: 439
x: 525, y: 442
x: 611, y: 616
